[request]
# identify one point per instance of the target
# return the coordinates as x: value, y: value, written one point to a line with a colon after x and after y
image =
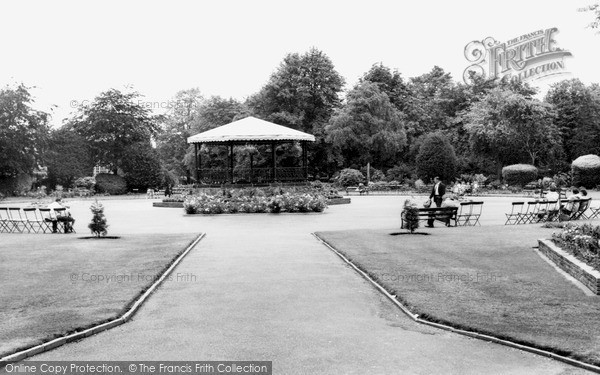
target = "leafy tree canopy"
x: 23, y: 132
x: 113, y: 123
x: 368, y: 129
x: 511, y: 128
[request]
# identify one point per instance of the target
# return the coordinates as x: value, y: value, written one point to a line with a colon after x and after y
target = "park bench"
x: 469, y: 213
x: 357, y: 189
x: 444, y: 214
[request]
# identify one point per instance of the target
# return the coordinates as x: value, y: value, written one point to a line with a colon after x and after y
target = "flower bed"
x: 581, y: 241
x: 257, y: 202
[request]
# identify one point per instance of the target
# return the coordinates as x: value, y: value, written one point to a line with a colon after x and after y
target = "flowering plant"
x: 582, y: 241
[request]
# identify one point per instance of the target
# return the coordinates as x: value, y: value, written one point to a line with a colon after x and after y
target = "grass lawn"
x: 483, y: 279
x: 57, y: 284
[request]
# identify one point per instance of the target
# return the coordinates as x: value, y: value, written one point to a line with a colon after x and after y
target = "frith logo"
x: 526, y: 58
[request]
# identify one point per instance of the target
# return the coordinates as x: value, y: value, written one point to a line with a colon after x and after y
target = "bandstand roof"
x: 250, y: 129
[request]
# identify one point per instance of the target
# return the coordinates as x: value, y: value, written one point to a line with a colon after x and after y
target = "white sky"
x: 73, y: 50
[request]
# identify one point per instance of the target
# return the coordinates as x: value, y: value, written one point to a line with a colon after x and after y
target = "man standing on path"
x: 438, y: 191
x: 437, y: 194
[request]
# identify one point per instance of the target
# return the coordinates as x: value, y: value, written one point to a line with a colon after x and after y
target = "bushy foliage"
x: 375, y: 174
x: 586, y: 171
x: 581, y: 241
x: 519, y: 174
x: 410, y: 216
x: 142, y: 167
x: 436, y: 158
x: 98, y: 225
x: 110, y: 184
x: 350, y: 177
x: 399, y: 172
x: 85, y: 183
x: 255, y: 203
x: 19, y: 185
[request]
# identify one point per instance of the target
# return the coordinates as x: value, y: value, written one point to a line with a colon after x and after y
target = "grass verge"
x: 53, y: 285
x: 484, y: 279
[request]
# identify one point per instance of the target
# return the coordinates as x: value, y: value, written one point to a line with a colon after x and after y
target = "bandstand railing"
x: 251, y: 175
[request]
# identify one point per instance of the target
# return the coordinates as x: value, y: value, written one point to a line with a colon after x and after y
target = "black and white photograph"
x: 261, y: 187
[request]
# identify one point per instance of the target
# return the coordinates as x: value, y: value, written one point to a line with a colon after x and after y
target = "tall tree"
x: 112, y: 124
x: 368, y: 129
x: 302, y: 94
x: 577, y: 109
x: 390, y: 82
x: 23, y: 132
x: 68, y: 157
x: 430, y: 105
x: 512, y: 128
x: 436, y: 158
x: 179, y: 123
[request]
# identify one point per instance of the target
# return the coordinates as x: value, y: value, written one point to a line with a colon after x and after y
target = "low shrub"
x: 519, y: 174
x: 586, y: 171
x: 110, y: 183
x: 350, y: 177
x: 582, y: 241
x: 87, y: 183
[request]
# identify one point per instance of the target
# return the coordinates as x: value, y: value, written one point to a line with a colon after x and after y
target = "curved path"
x: 260, y: 287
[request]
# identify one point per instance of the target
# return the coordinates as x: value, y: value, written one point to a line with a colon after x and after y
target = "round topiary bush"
x: 436, y: 157
x: 519, y: 174
x: 586, y: 171
x: 110, y: 183
x: 350, y: 177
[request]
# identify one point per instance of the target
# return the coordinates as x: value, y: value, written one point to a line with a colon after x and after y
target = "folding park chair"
x: 20, y: 224
x: 46, y: 219
x: 515, y: 213
x: 464, y: 213
x: 584, y: 204
x: 526, y: 217
x: 60, y: 225
x: 62, y: 212
x: 595, y: 212
x: 476, y: 208
x: 551, y: 211
x: 538, y: 212
x: 36, y: 223
x: 5, y: 223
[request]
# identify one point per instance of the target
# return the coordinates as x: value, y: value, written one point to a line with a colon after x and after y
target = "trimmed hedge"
x: 586, y: 171
x: 110, y: 183
x: 436, y: 157
x: 519, y: 174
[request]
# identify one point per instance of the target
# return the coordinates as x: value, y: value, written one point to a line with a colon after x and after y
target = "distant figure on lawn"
x: 64, y: 218
x: 437, y: 192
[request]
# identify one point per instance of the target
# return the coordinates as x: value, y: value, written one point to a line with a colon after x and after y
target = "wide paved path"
x: 260, y: 287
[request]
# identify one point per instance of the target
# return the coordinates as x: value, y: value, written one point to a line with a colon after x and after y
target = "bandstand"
x: 250, y: 131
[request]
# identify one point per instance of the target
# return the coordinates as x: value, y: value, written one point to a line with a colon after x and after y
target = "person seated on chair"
x: 572, y: 206
x: 551, y: 211
x: 66, y: 218
x: 451, y: 201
